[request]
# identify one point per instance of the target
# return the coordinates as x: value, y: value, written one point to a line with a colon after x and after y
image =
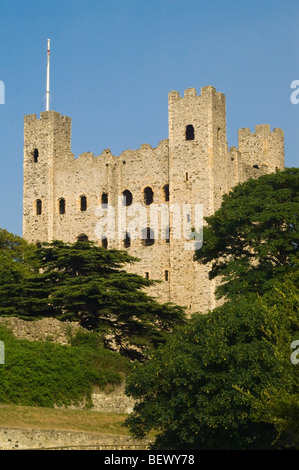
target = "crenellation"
x: 190, y: 92
x: 173, y: 95
x: 262, y: 129
x: 193, y: 166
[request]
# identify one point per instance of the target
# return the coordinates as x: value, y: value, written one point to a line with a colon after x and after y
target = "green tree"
x: 279, y: 403
x: 86, y: 283
x: 16, y: 263
x: 214, y: 385
x: 204, y: 389
x: 253, y: 238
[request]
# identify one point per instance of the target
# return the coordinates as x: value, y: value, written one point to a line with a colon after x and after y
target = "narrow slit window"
x: 166, y: 192
x: 104, y: 243
x: 104, y: 199
x: 187, y: 176
x: 127, y: 241
x: 38, y: 207
x: 83, y: 203
x: 189, y: 132
x: 35, y: 155
x: 147, y: 275
x: 166, y: 275
x: 62, y: 206
x: 148, y: 196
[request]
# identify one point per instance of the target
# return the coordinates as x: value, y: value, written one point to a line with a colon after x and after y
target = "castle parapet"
x: 190, y: 92
x: 262, y: 147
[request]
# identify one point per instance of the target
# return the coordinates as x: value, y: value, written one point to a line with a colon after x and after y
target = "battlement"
x: 262, y: 147
x: 206, y: 91
x: 261, y: 130
x: 46, y: 116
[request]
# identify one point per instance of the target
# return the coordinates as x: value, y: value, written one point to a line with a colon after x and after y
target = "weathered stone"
x: 194, y: 161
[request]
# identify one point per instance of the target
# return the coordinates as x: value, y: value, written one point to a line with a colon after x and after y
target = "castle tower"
x: 198, y: 166
x: 47, y: 141
x: 188, y: 173
x: 262, y: 149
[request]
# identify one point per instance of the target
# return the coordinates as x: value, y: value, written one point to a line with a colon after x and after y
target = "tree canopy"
x: 225, y: 380
x: 253, y: 238
x: 86, y: 283
x: 210, y: 385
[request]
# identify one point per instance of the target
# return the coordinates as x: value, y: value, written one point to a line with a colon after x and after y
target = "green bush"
x: 38, y: 373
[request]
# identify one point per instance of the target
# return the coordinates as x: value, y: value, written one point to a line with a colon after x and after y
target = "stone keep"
x: 66, y: 197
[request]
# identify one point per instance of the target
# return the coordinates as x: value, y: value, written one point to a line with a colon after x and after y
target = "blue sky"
x: 113, y: 63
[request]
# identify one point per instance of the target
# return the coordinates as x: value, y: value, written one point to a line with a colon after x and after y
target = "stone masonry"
x: 67, y: 198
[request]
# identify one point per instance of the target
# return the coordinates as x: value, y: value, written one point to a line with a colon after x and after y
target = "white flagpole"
x: 48, y: 79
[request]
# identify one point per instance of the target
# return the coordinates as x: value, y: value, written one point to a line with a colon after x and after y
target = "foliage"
x: 45, y: 374
x: 86, y: 283
x: 279, y: 404
x: 253, y: 238
x: 225, y: 380
x: 16, y: 262
x: 203, y: 389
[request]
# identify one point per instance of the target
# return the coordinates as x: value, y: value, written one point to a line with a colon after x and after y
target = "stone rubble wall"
x: 45, y: 329
x: 42, y: 439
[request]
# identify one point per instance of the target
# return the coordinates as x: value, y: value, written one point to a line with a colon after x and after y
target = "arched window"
x: 82, y: 238
x: 104, y: 243
x: 61, y: 205
x: 35, y: 155
x: 83, y: 203
x: 148, y: 196
x: 104, y: 199
x: 166, y: 192
x: 38, y: 207
x: 189, y: 132
x: 127, y: 241
x: 127, y: 198
x: 148, y: 236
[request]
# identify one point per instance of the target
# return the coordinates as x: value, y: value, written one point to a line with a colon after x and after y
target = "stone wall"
x: 45, y: 329
x: 198, y: 170
x: 41, y: 439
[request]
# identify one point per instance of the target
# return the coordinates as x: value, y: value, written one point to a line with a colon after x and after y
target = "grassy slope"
x: 38, y: 373
x: 14, y: 416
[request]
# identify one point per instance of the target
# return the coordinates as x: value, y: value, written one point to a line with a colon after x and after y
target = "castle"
x: 65, y: 197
